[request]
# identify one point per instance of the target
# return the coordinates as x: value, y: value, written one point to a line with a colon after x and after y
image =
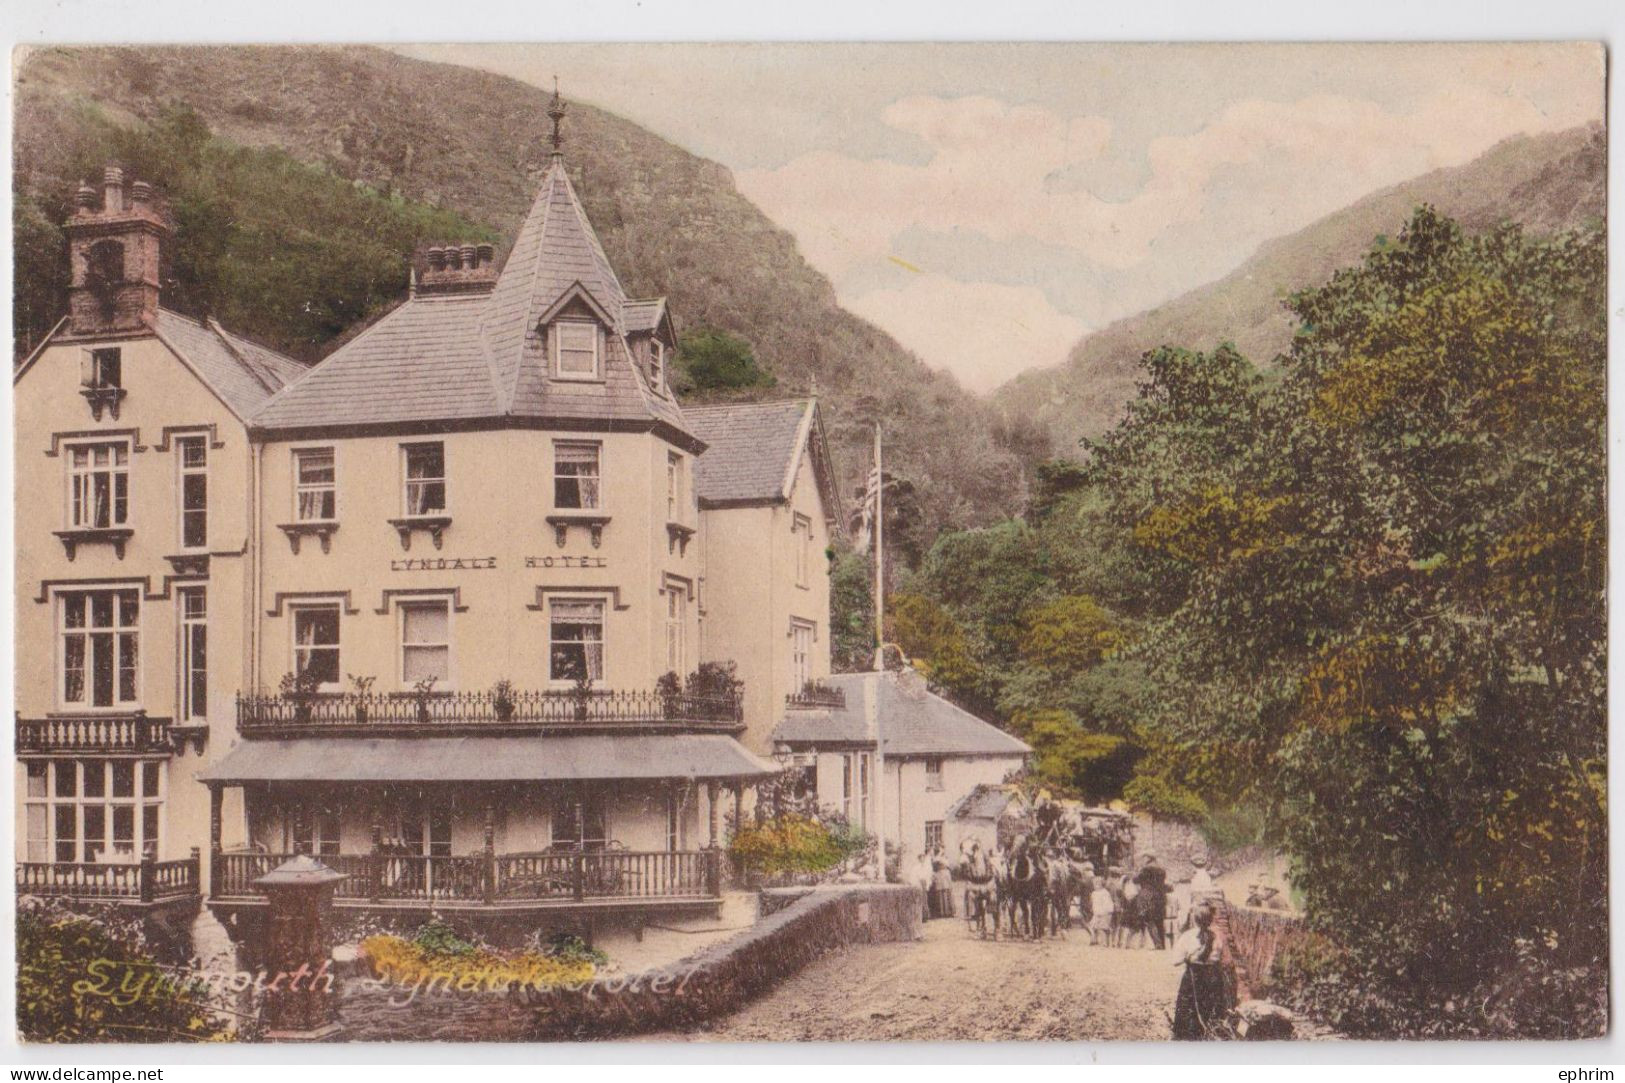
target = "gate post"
x: 298, y: 1002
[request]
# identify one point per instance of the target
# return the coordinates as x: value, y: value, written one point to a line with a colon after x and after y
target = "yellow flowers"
x: 405, y: 963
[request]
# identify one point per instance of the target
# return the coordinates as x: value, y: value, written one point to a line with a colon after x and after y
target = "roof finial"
x: 555, y: 110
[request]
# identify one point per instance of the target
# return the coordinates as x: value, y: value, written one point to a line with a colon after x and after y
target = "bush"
x: 93, y: 978
x: 437, y: 957
x: 794, y: 843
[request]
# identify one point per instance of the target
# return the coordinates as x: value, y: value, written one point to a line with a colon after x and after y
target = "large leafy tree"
x: 1390, y: 614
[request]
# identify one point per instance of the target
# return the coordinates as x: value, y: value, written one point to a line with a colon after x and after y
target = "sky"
x: 989, y: 205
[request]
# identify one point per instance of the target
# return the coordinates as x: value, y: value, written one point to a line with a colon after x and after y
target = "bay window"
x: 576, y: 640
x: 98, y: 485
x: 425, y: 478
x: 316, y: 644
x: 92, y: 811
x: 315, y: 485
x: 99, y: 638
x: 193, y: 457
x: 575, y: 476
x: 425, y: 641
x: 194, y: 652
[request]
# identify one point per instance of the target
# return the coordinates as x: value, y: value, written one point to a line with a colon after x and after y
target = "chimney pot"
x: 487, y: 254
x: 140, y: 192
x: 84, y: 199
x: 113, y: 189
x: 437, y: 258
x: 469, y: 262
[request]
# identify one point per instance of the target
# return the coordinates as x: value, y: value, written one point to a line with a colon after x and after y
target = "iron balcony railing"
x: 264, y: 715
x: 493, y: 879
x: 134, y: 733
x: 817, y: 695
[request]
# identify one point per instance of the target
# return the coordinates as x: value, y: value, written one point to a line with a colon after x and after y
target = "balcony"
x: 607, y: 879
x: 462, y: 713
x: 816, y: 696
x: 145, y: 883
x: 136, y: 734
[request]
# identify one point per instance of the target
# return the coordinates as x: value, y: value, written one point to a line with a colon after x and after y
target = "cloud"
x: 1256, y: 169
x: 983, y: 333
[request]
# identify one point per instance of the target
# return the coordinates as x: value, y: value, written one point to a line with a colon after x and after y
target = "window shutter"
x: 87, y: 368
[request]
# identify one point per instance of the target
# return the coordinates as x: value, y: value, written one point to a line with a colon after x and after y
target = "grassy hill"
x: 1547, y: 182
x: 335, y: 162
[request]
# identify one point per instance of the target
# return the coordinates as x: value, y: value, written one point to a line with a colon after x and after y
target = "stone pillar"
x: 299, y: 1005
x: 712, y: 795
x: 739, y: 806
x: 490, y: 854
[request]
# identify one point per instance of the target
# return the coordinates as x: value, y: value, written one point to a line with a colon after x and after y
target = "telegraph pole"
x: 880, y: 662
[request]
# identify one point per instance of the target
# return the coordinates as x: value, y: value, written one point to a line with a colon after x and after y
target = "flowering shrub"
x: 436, y: 955
x: 794, y: 843
x: 94, y: 978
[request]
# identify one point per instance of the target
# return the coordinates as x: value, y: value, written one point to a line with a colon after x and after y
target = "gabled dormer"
x: 575, y: 331
x: 652, y: 338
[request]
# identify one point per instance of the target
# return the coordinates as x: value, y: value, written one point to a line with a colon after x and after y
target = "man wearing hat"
x: 1152, y: 880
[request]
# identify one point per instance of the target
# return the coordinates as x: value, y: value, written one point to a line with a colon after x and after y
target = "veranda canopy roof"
x: 491, y: 759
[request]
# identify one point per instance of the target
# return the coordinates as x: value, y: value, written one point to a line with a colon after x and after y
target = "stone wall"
x: 796, y: 926
x: 793, y: 932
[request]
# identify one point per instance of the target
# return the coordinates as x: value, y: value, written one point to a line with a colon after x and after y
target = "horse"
x: 1028, y: 890
x: 1066, y: 882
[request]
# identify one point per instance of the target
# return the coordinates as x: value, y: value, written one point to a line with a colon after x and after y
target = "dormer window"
x: 575, y: 350
x: 657, y: 365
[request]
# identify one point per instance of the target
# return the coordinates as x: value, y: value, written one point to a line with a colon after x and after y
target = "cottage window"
x: 801, y: 536
x: 575, y: 476
x: 846, y: 786
x: 426, y: 641
x: 101, y: 811
x: 801, y: 649
x: 863, y: 788
x: 933, y: 835
x: 193, y: 460
x: 426, y: 831
x: 576, y: 641
x: 933, y: 774
x: 316, y: 643
x: 194, y: 652
x: 676, y: 626
x: 100, y: 635
x: 98, y: 485
x: 575, y: 349
x: 315, y: 485
x: 425, y: 478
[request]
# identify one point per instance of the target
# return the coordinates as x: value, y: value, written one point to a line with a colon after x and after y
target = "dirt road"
x: 953, y: 987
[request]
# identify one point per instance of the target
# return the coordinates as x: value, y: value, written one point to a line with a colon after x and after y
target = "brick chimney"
x: 468, y: 268
x: 115, y: 242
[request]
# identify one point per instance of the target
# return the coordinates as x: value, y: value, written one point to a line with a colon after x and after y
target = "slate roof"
x: 244, y: 374
x: 753, y: 449
x: 461, y: 357
x: 643, y: 316
x: 984, y: 803
x: 490, y: 759
x: 913, y: 720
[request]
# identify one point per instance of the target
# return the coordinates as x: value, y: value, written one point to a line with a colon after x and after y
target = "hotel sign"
x: 566, y: 562
x: 442, y: 564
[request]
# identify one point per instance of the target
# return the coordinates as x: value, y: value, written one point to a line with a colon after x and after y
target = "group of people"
x: 1027, y: 887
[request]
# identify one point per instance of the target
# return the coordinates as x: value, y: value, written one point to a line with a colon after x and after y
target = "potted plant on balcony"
x: 423, y: 691
x: 362, y: 693
x: 300, y: 690
x: 503, y: 700
x: 670, y: 690
x: 581, y: 694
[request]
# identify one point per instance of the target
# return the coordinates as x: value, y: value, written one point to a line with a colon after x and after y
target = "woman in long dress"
x: 1205, y: 999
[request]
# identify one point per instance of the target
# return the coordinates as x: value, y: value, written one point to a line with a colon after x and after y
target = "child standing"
x: 1102, y: 908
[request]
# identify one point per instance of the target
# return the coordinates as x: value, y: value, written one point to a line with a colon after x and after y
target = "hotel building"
x: 410, y: 609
